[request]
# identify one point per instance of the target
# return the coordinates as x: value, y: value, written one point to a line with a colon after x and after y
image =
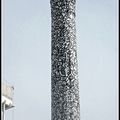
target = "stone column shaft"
x: 64, y: 71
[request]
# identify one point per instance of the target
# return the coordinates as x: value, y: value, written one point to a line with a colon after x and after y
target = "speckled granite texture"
x: 64, y: 74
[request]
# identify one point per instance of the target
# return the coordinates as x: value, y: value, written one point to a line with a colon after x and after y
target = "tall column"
x: 64, y: 74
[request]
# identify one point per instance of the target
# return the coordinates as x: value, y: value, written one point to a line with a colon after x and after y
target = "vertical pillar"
x: 64, y: 73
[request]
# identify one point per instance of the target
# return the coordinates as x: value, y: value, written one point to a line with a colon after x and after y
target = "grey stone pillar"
x: 64, y: 73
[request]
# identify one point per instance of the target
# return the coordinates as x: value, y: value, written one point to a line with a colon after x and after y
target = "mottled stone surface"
x: 64, y: 73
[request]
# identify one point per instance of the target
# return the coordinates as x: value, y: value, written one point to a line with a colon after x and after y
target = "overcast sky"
x: 27, y: 58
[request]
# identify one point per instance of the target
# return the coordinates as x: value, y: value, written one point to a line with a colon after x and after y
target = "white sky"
x: 27, y: 55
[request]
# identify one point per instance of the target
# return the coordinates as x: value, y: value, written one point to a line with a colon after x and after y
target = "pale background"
x: 27, y: 58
